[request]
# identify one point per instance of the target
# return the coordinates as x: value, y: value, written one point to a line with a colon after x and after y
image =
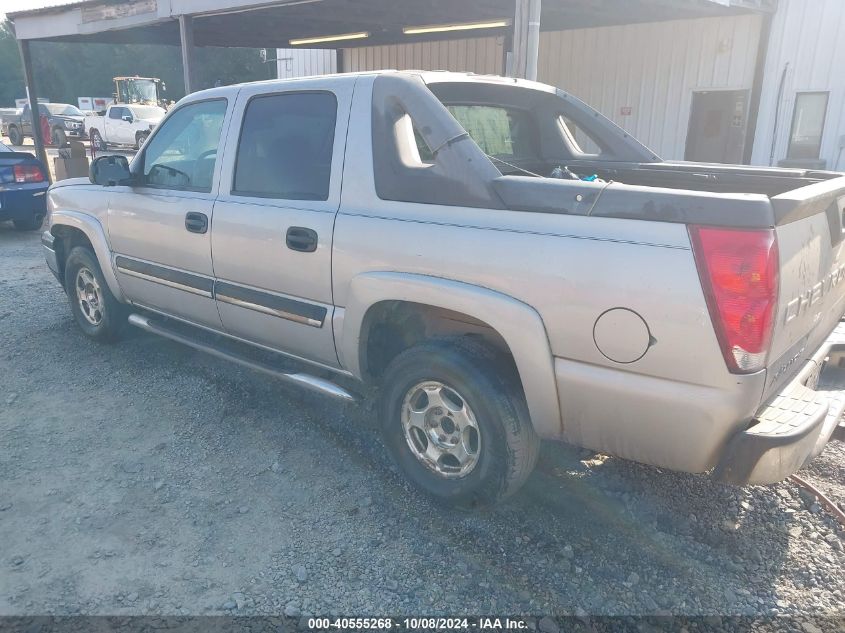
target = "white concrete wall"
x: 810, y: 36
x: 303, y: 62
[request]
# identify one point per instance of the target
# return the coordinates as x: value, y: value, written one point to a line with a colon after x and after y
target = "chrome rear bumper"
x: 794, y: 426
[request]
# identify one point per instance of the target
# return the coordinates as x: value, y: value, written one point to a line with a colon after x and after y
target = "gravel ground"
x: 146, y: 478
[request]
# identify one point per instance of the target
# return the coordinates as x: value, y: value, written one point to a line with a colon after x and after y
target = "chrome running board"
x: 313, y: 383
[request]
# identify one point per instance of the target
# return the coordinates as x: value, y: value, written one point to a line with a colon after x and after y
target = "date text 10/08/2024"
x: 423, y: 623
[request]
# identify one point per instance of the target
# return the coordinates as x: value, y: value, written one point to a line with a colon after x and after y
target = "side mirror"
x: 109, y: 171
x: 127, y: 118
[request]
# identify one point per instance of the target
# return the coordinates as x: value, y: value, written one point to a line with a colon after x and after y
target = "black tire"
x: 97, y: 141
x: 30, y: 224
x: 507, y: 446
x: 113, y: 314
x: 15, y: 136
x: 140, y: 138
x: 59, y: 137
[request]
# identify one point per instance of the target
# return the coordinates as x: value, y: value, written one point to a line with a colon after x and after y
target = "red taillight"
x: 739, y: 275
x: 28, y: 173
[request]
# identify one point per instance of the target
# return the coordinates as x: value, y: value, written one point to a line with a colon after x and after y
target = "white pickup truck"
x: 495, y: 259
x: 126, y: 125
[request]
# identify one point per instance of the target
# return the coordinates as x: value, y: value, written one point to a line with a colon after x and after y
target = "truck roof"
x: 428, y: 76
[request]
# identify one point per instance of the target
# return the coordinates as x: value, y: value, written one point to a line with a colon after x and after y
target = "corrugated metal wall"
x: 303, y: 62
x: 808, y: 34
x: 478, y: 55
x: 651, y: 70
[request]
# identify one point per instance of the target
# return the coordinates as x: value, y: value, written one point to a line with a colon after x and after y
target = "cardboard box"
x: 71, y: 162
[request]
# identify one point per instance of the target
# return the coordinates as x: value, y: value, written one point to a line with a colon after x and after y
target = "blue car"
x: 23, y: 183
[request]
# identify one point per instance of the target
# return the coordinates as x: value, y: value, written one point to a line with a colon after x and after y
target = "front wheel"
x: 99, y: 315
x: 15, y: 136
x: 97, y: 140
x: 140, y: 138
x: 455, y: 421
x: 59, y: 137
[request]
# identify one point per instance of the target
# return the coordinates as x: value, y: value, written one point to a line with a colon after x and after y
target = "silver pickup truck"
x: 495, y: 259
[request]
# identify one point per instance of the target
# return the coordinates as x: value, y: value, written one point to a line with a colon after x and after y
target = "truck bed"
x: 710, y: 177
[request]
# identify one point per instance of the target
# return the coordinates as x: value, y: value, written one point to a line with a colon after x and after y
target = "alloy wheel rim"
x: 441, y: 429
x: 90, y: 296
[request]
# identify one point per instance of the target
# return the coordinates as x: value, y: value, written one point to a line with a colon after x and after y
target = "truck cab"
x: 63, y: 121
x: 123, y: 125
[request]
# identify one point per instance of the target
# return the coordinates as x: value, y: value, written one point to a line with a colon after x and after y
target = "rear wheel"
x: 99, y: 315
x: 30, y: 224
x: 15, y: 136
x: 456, y: 423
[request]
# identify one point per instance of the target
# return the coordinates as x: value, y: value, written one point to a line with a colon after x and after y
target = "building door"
x: 717, y: 126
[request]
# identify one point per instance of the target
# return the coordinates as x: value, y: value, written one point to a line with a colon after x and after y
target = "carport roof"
x: 248, y: 23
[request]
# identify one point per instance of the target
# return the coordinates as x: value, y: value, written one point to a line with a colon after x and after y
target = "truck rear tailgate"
x: 811, y: 301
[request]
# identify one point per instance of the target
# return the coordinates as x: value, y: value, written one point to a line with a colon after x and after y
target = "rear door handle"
x: 196, y: 222
x: 300, y: 239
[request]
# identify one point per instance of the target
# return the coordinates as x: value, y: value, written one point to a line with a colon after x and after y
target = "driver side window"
x: 182, y: 154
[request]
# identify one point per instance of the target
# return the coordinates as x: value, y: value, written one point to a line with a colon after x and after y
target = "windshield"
x: 63, y: 109
x: 138, y: 91
x: 147, y: 112
x: 4, y: 148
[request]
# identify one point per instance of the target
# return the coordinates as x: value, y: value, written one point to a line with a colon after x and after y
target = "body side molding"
x: 271, y: 304
x: 195, y: 284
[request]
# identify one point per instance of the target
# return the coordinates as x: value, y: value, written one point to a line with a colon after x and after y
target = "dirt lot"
x: 147, y: 478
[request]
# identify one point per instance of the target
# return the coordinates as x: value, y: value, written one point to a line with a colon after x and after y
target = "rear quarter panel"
x: 570, y: 269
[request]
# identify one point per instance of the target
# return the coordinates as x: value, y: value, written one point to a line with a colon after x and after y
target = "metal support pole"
x: 518, y: 50
x: 757, y: 88
x: 186, y: 35
x: 26, y: 60
x: 526, y: 39
x: 532, y: 43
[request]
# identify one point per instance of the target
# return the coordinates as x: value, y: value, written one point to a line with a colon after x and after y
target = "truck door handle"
x: 299, y: 238
x: 196, y: 222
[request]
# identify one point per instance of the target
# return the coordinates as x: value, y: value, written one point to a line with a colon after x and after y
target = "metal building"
x: 706, y: 80
x: 301, y: 62
x: 659, y: 80
x: 706, y: 88
x: 802, y: 108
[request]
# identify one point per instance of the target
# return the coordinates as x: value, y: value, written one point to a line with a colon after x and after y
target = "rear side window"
x: 580, y: 141
x: 285, y: 149
x: 499, y: 131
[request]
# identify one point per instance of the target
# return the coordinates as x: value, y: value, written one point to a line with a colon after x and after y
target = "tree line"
x: 64, y: 71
